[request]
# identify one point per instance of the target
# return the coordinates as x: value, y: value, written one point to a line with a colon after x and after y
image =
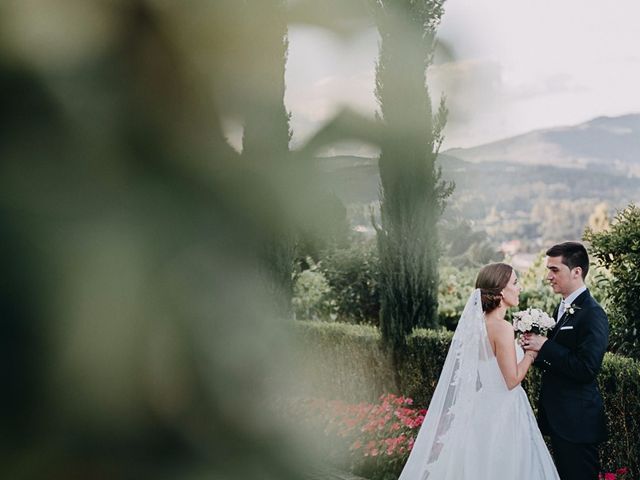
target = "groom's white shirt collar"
x: 576, y: 293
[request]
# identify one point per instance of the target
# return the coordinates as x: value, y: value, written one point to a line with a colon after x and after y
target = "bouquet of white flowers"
x: 532, y: 320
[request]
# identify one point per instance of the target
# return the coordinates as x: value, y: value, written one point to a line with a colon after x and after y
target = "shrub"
x: 352, y: 274
x: 619, y: 251
x: 311, y: 294
x: 620, y: 385
x: 343, y: 361
x: 422, y: 362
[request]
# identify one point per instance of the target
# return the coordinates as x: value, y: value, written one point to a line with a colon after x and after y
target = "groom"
x: 570, y: 408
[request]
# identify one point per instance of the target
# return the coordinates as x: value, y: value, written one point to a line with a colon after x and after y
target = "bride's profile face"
x: 511, y: 293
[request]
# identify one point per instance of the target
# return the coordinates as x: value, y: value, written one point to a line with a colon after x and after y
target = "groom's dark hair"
x: 573, y: 255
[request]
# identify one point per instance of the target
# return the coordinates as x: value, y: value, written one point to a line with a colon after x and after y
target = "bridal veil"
x: 451, y: 406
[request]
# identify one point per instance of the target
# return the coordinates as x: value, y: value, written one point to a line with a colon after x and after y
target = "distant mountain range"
x: 602, y: 144
x: 514, y: 187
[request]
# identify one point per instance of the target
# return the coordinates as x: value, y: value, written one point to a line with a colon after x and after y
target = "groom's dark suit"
x: 570, y: 407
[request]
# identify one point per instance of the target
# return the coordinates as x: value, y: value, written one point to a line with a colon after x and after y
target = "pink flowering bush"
x: 620, y: 474
x: 375, y: 438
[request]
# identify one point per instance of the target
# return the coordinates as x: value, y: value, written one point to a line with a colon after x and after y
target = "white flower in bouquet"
x: 532, y: 320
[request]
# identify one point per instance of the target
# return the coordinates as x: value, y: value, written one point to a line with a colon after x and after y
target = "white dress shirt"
x: 569, y: 300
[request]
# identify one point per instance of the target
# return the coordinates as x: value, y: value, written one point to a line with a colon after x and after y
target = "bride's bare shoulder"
x: 499, y: 327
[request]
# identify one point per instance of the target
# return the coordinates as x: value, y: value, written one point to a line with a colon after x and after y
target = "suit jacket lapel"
x: 581, y: 298
x: 564, y: 319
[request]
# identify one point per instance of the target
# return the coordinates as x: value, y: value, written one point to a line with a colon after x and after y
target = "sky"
x: 519, y: 65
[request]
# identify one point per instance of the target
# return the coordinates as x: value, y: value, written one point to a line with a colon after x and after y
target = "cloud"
x: 325, y: 73
x: 476, y: 97
x: 314, y: 104
x: 469, y: 85
x: 551, y: 85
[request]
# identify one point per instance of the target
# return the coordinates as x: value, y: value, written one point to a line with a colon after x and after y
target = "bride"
x: 479, y: 424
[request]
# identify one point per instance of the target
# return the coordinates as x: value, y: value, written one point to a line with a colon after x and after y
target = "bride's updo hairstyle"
x: 491, y: 281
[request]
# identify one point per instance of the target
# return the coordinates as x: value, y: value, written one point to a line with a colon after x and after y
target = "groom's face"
x: 560, y: 277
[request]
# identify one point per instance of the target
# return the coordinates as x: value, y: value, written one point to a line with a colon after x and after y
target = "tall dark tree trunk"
x: 266, y: 136
x: 412, y: 192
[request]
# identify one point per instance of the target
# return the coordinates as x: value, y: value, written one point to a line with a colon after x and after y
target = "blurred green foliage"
x: 141, y: 250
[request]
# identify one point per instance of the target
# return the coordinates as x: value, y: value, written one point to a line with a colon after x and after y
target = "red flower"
x: 619, y: 475
x: 382, y: 432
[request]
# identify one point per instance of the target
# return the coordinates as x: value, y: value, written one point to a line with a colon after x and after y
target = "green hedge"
x: 347, y: 362
x: 420, y: 370
x: 343, y: 361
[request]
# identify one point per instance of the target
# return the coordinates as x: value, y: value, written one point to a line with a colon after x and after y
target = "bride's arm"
x: 503, y: 341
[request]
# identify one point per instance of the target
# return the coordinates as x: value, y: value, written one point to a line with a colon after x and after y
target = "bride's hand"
x: 533, y: 342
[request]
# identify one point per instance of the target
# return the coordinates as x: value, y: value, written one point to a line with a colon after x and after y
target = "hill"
x: 602, y: 144
x: 538, y: 187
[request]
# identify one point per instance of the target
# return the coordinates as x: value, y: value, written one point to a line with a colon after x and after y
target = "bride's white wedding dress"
x: 475, y: 427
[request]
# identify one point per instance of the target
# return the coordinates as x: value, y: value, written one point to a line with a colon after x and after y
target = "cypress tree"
x: 412, y: 191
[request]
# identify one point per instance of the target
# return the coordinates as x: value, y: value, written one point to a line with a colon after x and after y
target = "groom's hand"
x: 533, y: 341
